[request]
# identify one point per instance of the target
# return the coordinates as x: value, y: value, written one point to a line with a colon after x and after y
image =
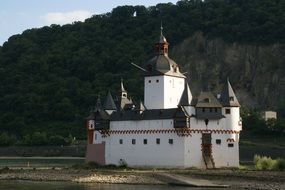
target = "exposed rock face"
x: 257, y: 73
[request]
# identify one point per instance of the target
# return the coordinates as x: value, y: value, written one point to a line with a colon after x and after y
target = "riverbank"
x: 237, y: 179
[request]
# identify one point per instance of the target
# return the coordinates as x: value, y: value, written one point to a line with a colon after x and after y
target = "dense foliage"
x: 253, y: 122
x: 50, y: 77
x: 267, y: 163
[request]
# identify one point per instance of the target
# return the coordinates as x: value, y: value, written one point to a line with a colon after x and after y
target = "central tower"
x: 163, y: 83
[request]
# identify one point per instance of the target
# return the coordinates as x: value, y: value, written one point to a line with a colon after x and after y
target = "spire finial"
x: 122, y: 85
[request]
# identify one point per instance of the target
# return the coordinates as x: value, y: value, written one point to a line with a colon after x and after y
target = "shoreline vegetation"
x: 235, y: 178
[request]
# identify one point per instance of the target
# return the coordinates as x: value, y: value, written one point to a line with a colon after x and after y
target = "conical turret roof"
x: 140, y: 106
x: 186, y: 97
x: 228, y: 97
x: 109, y: 103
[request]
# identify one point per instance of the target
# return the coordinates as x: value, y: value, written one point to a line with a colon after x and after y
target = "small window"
x: 121, y: 141
x: 145, y: 141
x: 157, y: 80
x: 170, y: 141
x: 231, y: 98
x: 157, y: 141
x: 218, y: 141
x: 124, y: 95
x: 211, y: 110
x: 149, y: 81
x: 133, y: 141
x: 230, y: 145
x: 228, y: 111
x: 203, y: 109
x: 95, y: 136
x: 216, y: 110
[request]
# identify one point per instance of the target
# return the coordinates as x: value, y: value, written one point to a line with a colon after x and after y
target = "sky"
x: 19, y: 15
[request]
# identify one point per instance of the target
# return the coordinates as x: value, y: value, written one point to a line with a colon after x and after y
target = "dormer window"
x: 231, y: 98
x: 207, y: 100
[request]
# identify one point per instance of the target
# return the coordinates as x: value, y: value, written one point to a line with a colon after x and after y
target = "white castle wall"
x: 193, y: 148
x: 150, y: 154
x: 224, y: 156
x: 232, y: 119
x: 97, y: 137
x: 184, y: 152
x: 162, y: 92
x: 153, y: 92
x: 173, y: 90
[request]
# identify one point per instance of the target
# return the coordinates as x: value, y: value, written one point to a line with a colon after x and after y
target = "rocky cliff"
x: 255, y: 71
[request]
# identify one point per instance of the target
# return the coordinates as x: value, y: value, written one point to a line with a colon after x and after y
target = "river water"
x: 31, y: 185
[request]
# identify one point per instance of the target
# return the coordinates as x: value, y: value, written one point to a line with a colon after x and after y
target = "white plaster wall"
x: 97, y: 137
x: 153, y: 92
x: 194, y: 157
x: 150, y: 154
x: 232, y: 119
x: 185, y: 151
x: 165, y: 93
x: 212, y: 124
x: 223, y: 155
x: 173, y: 90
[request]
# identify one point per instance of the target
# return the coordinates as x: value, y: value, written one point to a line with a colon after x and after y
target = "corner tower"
x: 163, y: 83
x: 231, y: 107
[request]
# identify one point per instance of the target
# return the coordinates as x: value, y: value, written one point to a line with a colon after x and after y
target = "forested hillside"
x: 50, y: 77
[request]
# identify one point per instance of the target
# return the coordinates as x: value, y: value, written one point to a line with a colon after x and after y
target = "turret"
x: 164, y: 83
x: 231, y: 107
x: 186, y: 99
x: 109, y: 104
x: 161, y: 47
x: 124, y: 102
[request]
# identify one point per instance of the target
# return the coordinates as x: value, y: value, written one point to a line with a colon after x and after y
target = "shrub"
x: 267, y: 163
x: 279, y: 164
x: 255, y: 159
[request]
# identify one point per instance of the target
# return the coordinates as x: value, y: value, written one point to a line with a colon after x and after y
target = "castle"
x: 170, y: 128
